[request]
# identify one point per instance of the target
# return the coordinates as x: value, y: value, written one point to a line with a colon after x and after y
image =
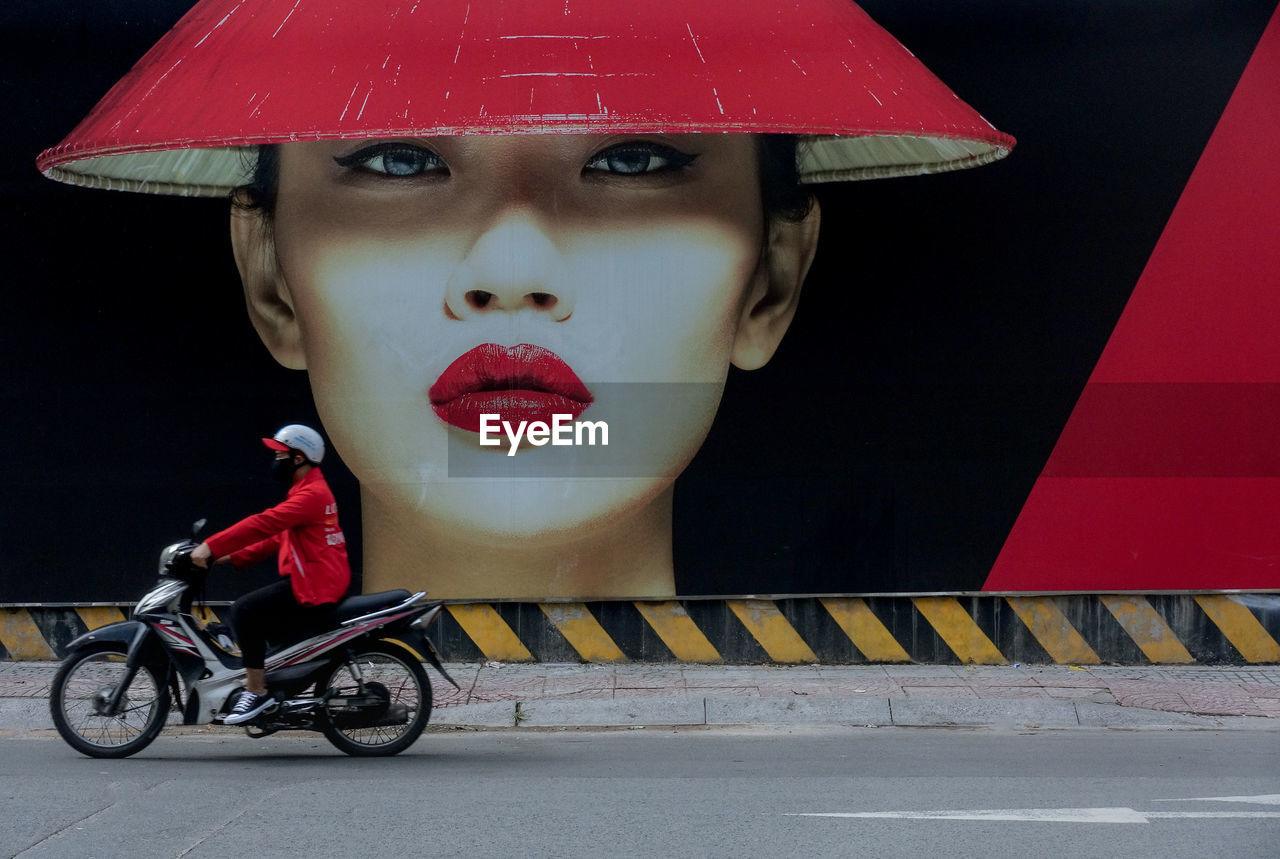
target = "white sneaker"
x: 248, y: 707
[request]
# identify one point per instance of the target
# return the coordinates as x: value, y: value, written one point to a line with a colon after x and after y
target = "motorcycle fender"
x: 120, y: 632
x: 123, y: 632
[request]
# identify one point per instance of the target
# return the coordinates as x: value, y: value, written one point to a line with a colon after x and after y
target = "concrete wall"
x: 1084, y: 629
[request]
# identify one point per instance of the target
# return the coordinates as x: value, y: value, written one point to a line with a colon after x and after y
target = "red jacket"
x: 303, y: 532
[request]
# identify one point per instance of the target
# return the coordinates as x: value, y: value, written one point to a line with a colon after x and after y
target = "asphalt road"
x: 697, y: 792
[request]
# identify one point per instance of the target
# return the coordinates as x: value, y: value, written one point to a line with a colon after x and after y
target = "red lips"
x: 520, y: 383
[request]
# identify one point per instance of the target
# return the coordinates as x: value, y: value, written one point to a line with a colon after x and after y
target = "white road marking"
x: 1210, y: 815
x: 1031, y: 815
x: 1260, y: 799
x: 1050, y: 815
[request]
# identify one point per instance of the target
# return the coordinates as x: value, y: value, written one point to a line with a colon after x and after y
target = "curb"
x: 831, y: 712
x: 20, y: 716
x: 23, y: 715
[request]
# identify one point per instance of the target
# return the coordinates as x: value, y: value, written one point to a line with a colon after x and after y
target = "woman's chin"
x: 527, y: 512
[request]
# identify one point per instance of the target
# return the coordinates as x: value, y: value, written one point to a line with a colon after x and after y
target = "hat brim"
x: 216, y: 171
x: 275, y: 445
x: 233, y: 74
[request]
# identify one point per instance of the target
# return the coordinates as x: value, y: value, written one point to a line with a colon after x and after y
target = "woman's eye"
x: 394, y: 159
x: 634, y: 159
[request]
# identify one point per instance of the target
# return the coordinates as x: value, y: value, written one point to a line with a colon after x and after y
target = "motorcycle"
x: 360, y: 682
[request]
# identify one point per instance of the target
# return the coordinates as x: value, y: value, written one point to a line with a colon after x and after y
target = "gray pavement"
x: 540, y: 695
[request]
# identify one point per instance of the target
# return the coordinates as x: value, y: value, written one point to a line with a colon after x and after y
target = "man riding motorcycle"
x: 303, y: 533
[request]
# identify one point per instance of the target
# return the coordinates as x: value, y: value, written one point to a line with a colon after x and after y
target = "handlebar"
x: 181, y: 566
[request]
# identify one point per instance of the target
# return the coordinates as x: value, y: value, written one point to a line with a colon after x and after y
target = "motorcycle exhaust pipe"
x: 395, y: 714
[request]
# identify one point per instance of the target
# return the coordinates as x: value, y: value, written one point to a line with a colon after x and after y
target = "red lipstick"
x: 519, y: 383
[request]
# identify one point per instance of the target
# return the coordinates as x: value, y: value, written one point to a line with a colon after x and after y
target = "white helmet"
x: 297, y: 437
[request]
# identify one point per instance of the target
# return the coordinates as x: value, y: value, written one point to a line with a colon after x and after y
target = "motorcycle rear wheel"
x: 88, y: 676
x: 405, y: 680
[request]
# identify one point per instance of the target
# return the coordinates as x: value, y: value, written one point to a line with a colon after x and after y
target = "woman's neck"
x: 627, y: 558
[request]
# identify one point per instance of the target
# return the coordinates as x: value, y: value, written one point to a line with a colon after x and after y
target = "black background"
x: 946, y: 330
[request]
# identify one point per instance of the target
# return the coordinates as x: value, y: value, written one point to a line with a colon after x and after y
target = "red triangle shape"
x: 1167, y: 475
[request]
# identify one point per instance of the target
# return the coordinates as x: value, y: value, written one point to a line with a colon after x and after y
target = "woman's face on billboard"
x: 423, y: 282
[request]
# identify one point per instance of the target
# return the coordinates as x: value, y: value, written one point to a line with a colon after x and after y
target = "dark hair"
x: 262, y: 163
x: 781, y: 192
x: 780, y: 188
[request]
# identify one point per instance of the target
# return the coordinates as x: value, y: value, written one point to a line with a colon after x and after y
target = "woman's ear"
x: 775, y: 289
x: 265, y: 292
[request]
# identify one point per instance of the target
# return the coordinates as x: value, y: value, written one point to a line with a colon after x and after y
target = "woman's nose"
x: 514, y: 266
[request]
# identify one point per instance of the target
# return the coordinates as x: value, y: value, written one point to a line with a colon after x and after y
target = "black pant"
x: 273, y: 614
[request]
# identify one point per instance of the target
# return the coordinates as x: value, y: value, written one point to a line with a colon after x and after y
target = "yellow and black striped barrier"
x: 1082, y: 629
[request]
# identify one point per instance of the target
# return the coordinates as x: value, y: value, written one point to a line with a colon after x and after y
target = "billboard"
x: 1052, y: 372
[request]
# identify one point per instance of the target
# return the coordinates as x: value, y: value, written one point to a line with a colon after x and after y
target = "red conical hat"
x: 233, y: 73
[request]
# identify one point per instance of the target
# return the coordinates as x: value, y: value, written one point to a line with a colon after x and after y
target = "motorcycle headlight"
x: 166, y: 557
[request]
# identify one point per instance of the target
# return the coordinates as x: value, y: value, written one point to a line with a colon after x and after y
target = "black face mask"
x: 283, y: 469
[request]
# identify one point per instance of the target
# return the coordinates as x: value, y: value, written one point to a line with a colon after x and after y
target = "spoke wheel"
x: 390, y: 671
x: 85, y: 682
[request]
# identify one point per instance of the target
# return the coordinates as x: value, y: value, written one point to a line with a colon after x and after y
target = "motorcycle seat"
x: 366, y: 603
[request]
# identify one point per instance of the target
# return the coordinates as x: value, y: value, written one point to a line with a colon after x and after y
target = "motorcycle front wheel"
x: 83, y: 685
x: 390, y: 670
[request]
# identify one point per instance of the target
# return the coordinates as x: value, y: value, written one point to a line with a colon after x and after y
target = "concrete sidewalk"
x: 542, y: 695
